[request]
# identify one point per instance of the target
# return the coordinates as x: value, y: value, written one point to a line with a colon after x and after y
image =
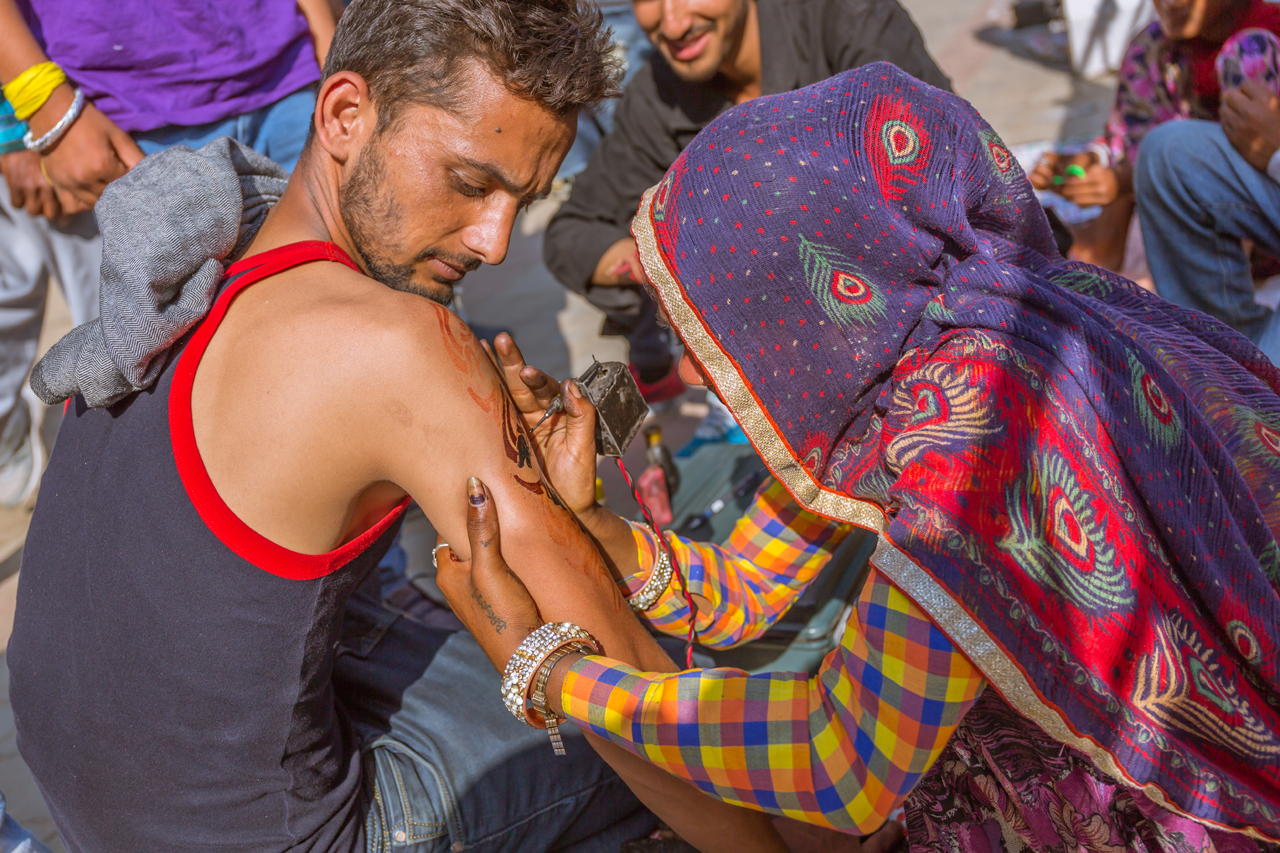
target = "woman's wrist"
x: 612, y: 534
x: 555, y: 681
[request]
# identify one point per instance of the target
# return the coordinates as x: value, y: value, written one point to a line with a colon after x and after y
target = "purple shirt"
x: 154, y: 63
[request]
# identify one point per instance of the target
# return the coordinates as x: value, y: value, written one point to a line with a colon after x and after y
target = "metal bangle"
x: 47, y: 141
x: 517, y: 677
x: 656, y: 585
x: 538, y: 700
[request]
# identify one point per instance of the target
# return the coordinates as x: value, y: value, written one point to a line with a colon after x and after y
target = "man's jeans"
x: 447, y: 766
x: 278, y: 130
x: 634, y: 46
x: 33, y: 250
x: 1198, y: 198
x: 15, y: 839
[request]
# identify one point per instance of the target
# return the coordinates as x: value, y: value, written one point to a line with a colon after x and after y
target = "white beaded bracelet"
x: 46, y: 142
x: 517, y: 677
x: 657, y: 583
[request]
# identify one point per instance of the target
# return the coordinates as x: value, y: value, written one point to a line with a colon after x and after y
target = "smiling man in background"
x: 711, y: 54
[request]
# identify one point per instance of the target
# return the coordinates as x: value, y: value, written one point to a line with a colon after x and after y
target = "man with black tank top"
x: 201, y: 661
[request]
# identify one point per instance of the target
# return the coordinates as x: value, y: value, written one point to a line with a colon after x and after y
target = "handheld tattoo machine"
x: 620, y: 410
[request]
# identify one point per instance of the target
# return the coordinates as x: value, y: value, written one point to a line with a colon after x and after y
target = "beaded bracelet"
x: 46, y: 142
x: 517, y: 677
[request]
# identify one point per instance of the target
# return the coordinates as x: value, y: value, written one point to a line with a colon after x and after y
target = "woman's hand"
x: 484, y: 593
x: 566, y: 441
x: 1079, y: 178
x: 1100, y: 184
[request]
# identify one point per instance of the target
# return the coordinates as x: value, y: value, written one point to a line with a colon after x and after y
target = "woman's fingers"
x: 581, y: 429
x: 532, y: 389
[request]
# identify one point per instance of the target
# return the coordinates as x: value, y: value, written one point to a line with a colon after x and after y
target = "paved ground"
x: 1026, y: 101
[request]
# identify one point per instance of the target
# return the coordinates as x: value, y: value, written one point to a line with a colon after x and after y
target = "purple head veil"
x: 1076, y: 480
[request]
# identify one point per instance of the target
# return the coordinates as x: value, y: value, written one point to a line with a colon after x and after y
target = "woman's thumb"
x: 582, y: 418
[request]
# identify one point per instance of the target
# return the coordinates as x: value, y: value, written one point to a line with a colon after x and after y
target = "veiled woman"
x: 1069, y: 636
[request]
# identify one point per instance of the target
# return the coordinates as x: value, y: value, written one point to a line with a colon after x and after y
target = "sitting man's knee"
x: 1174, y: 149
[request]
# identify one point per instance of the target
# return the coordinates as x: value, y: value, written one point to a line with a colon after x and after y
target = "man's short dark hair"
x: 556, y: 53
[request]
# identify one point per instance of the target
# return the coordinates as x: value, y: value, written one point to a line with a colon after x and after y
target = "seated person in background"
x: 710, y: 55
x: 1202, y: 188
x: 197, y: 663
x: 1172, y: 70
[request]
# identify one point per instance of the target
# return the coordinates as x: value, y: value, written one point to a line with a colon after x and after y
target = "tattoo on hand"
x: 499, y: 624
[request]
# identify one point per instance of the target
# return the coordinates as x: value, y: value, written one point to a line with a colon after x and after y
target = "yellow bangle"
x: 28, y: 92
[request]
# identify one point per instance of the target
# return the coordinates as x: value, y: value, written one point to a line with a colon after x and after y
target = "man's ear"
x: 345, y: 116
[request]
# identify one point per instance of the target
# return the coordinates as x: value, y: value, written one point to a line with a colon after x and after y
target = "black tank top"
x: 170, y: 667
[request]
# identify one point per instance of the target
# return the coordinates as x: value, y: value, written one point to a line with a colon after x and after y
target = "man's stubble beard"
x: 367, y: 212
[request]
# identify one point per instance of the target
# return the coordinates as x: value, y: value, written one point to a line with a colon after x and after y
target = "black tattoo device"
x: 620, y: 410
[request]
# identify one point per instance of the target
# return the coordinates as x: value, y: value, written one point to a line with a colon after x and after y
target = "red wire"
x: 675, y: 567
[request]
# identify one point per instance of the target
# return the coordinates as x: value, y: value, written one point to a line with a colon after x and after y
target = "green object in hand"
x: 1074, y: 171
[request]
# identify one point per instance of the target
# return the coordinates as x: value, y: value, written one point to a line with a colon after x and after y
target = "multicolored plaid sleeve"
x: 842, y: 749
x: 774, y: 551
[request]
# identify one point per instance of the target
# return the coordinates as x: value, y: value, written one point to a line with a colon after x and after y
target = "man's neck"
x: 742, y: 69
x: 308, y: 210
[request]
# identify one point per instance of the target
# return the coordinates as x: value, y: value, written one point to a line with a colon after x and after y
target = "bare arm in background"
x: 322, y: 20
x: 93, y: 152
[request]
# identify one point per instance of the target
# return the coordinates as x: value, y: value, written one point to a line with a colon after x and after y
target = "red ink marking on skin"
x: 482, y: 402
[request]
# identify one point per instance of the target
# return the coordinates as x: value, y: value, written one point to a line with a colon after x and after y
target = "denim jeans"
x: 15, y: 839
x: 278, y: 130
x: 447, y: 767
x: 1198, y: 198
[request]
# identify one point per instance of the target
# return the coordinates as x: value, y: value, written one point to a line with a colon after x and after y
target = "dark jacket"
x: 801, y: 42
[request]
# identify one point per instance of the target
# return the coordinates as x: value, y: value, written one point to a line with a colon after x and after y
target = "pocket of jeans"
x: 409, y: 800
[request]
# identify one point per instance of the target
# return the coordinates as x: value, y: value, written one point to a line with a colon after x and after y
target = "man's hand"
x: 484, y: 593
x: 619, y: 265
x: 1061, y: 173
x: 1042, y: 175
x: 28, y: 189
x: 91, y: 154
x: 1250, y: 118
x: 566, y: 441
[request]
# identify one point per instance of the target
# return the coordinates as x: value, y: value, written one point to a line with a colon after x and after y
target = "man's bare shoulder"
x: 368, y: 323
x: 323, y: 335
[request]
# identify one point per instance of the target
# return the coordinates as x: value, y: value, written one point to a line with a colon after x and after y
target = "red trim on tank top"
x: 225, y: 524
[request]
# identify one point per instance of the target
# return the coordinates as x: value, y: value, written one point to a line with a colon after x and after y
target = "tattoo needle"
x: 557, y: 405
